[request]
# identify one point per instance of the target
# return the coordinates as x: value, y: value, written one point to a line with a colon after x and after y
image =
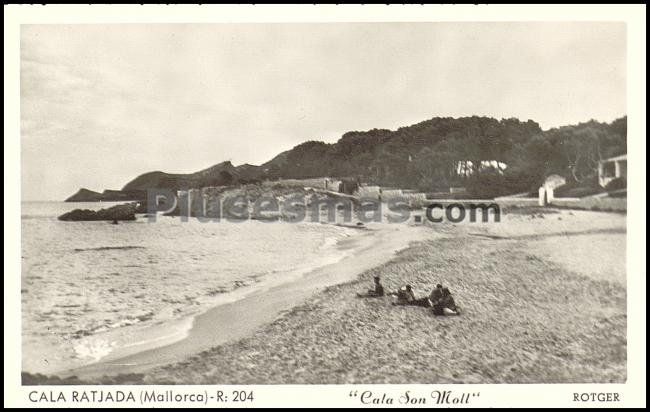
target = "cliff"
x: 85, y: 195
x: 424, y: 156
x: 221, y: 174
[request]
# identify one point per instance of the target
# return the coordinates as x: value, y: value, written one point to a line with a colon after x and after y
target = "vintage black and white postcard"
x: 361, y: 206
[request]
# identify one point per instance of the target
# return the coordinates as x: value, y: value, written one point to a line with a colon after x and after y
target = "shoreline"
x: 376, y: 245
x: 529, y: 315
x: 525, y: 319
x: 119, y: 341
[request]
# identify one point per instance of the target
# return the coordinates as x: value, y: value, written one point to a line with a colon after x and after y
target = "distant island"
x: 486, y: 156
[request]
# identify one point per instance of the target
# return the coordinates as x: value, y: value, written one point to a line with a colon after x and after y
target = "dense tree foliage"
x: 426, y: 156
x: 489, y: 157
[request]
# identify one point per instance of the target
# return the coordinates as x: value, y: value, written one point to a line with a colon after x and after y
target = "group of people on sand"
x: 440, y: 300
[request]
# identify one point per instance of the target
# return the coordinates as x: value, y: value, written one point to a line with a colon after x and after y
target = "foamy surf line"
x: 123, y: 342
x: 241, y: 314
x: 150, y: 327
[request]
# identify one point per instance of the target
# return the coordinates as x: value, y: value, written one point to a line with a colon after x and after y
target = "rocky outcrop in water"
x: 115, y: 213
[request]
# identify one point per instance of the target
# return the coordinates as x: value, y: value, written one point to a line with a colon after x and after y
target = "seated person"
x: 405, y: 296
x: 445, y: 305
x: 378, y: 291
x: 448, y: 300
x: 436, y: 294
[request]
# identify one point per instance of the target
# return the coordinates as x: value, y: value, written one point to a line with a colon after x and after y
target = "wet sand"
x: 534, y: 310
x: 235, y: 320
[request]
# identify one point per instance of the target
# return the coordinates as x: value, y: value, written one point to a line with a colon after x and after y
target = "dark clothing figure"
x: 436, y: 295
x: 446, y: 301
x: 377, y: 292
x: 424, y: 302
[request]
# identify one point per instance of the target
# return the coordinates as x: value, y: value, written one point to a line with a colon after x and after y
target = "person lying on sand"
x: 405, y: 296
x: 378, y: 291
x: 445, y: 304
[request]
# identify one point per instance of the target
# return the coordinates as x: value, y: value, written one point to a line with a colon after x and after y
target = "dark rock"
x: 115, y: 213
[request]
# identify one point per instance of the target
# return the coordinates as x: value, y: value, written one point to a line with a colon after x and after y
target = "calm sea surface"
x: 88, y: 287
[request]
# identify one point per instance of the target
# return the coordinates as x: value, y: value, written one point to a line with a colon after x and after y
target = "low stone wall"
x: 314, y: 182
x: 368, y: 192
x: 372, y: 192
x: 593, y: 203
x: 604, y: 203
x: 514, y: 201
x: 415, y: 197
x: 392, y: 194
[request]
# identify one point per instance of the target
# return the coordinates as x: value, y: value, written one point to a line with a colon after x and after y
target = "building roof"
x: 616, y: 158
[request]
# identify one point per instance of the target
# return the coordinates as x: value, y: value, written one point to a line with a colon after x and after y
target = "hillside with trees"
x: 426, y: 156
x: 487, y: 156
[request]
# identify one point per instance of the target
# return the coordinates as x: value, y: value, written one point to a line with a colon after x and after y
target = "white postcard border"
x: 632, y: 393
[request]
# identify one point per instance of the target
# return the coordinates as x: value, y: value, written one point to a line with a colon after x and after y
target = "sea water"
x: 91, y: 288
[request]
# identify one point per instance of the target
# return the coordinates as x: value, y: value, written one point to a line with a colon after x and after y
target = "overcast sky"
x: 101, y: 104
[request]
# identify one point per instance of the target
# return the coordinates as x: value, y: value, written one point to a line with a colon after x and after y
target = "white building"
x: 612, y: 168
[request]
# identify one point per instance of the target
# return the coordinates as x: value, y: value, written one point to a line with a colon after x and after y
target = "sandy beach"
x: 377, y: 243
x: 542, y: 294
